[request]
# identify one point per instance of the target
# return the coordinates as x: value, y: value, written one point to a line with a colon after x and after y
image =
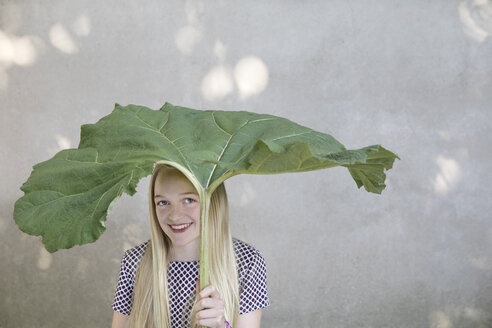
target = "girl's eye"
x: 162, y: 203
x: 189, y: 200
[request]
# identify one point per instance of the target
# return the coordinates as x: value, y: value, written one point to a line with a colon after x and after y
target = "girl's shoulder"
x: 241, y: 246
x: 132, y: 257
x: 246, y: 255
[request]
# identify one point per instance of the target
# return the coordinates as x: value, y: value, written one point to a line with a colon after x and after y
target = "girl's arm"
x: 120, y: 320
x: 210, y: 311
x: 249, y: 320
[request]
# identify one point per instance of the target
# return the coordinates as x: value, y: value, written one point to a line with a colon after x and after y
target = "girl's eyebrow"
x: 182, y: 194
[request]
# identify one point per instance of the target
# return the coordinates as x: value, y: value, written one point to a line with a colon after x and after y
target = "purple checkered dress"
x: 182, y: 277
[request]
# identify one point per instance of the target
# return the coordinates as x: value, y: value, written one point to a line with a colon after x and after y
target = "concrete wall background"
x: 415, y: 76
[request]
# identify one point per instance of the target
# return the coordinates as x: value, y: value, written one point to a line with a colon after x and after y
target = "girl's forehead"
x: 172, y: 179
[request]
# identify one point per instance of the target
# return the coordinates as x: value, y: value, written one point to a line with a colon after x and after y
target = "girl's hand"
x: 210, y: 308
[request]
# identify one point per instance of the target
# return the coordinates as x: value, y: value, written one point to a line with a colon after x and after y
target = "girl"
x: 158, y: 279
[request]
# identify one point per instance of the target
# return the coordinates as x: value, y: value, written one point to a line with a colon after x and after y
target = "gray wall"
x: 414, y: 76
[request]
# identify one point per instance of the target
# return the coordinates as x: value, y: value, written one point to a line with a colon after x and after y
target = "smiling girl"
x: 157, y: 286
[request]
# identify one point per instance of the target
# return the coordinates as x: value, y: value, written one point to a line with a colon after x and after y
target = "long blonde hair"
x: 151, y: 298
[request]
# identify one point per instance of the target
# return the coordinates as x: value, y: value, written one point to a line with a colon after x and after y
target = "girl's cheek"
x: 161, y: 214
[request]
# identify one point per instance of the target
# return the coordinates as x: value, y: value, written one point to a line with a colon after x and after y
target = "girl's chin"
x: 187, y: 239
x: 185, y: 250
x: 178, y: 242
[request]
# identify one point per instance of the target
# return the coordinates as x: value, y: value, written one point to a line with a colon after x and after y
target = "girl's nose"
x: 175, y: 214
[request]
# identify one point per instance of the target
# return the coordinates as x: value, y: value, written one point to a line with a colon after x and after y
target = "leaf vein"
x: 163, y: 125
x: 263, y: 161
x: 164, y: 136
x: 261, y: 119
x: 215, y: 122
x: 291, y: 135
x: 223, y: 150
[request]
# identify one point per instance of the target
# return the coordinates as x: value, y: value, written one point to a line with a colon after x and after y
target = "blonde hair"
x: 151, y: 298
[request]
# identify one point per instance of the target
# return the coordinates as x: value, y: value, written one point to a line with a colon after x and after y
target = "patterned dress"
x: 182, y: 277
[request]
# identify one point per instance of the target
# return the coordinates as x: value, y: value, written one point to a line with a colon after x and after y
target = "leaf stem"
x: 204, y: 248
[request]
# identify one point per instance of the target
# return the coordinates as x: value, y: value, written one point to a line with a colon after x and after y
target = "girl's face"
x: 177, y: 206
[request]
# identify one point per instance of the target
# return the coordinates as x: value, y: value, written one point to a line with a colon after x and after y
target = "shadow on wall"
x: 3, y: 225
x: 245, y: 77
x: 45, y: 260
x: 416, y: 308
x: 476, y: 17
x: 25, y: 50
x: 462, y: 317
x: 448, y: 176
x: 249, y: 76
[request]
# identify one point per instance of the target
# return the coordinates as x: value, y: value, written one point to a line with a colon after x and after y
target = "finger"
x: 210, y: 314
x: 212, y: 322
x: 209, y: 303
x: 207, y: 291
x: 210, y: 291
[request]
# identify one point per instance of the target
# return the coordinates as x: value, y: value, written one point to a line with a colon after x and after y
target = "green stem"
x: 204, y: 249
x: 204, y: 246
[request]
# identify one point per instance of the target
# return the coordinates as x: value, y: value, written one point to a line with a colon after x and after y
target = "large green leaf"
x: 67, y: 198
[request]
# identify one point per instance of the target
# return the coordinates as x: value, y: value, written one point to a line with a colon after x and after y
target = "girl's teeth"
x: 181, y: 226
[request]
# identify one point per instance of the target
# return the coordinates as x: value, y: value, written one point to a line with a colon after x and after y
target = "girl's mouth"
x: 178, y: 228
